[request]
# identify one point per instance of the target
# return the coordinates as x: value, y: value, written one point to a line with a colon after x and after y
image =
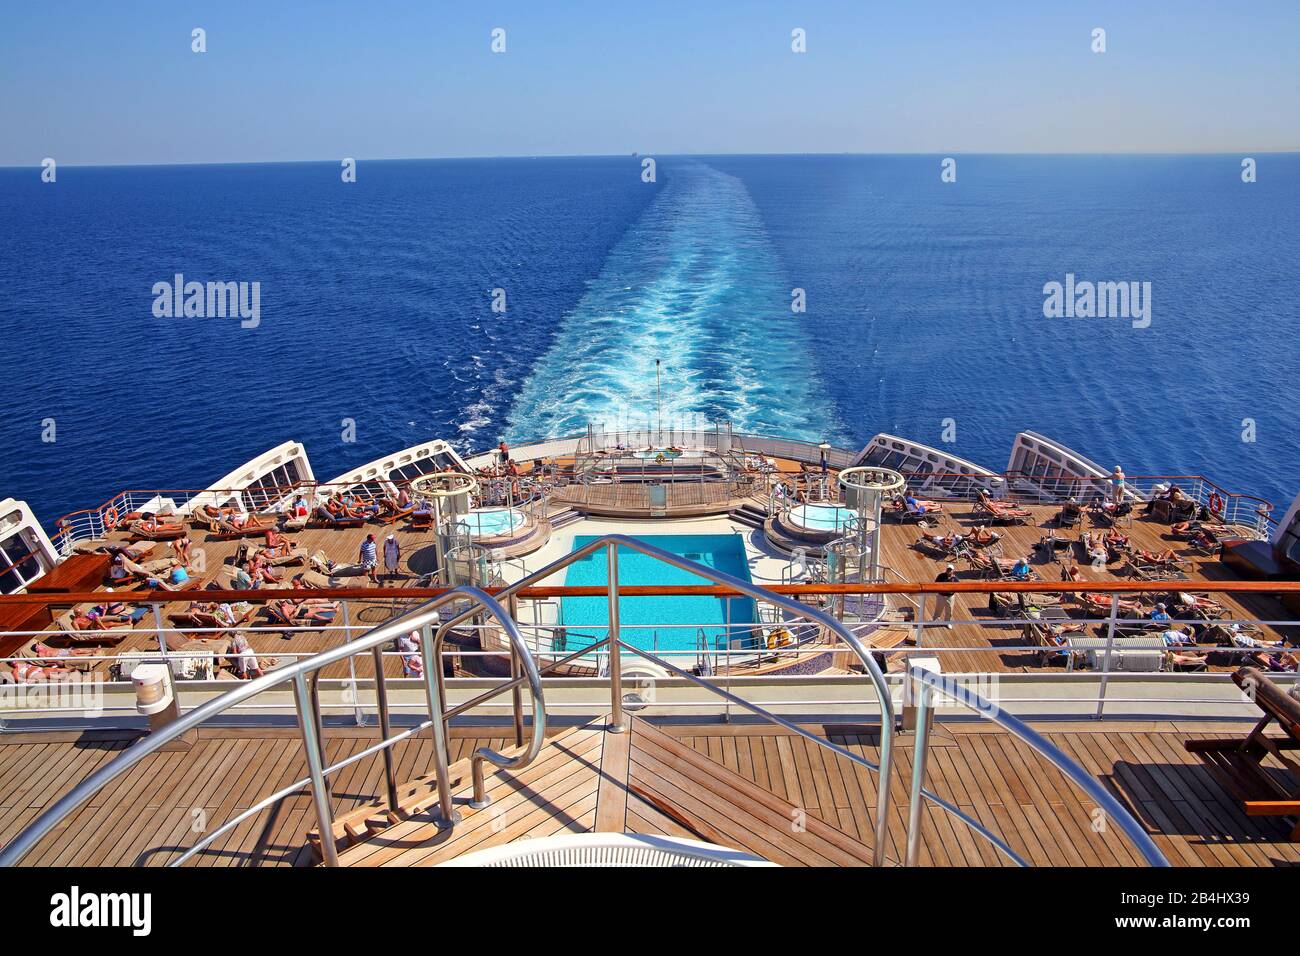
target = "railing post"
x: 312, y: 745
x: 438, y: 727
x: 158, y: 623
x: 517, y: 693
x: 385, y: 726
x: 1110, y: 645
x: 357, y: 714
x: 617, y: 724
x: 920, y: 754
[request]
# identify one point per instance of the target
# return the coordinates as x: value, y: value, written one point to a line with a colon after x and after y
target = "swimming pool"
x: 822, y: 517
x: 646, y: 622
x: 492, y: 522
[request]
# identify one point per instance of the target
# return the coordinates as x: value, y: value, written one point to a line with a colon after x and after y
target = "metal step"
x: 566, y: 517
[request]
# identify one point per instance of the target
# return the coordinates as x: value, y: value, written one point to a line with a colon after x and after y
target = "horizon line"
x: 636, y: 155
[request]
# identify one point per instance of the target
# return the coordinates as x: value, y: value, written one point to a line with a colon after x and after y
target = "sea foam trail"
x: 696, y: 282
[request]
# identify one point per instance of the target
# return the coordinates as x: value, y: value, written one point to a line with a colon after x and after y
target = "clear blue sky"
x: 116, y: 82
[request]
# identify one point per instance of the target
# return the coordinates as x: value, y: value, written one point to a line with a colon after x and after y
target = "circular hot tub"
x: 493, y: 522
x: 828, y: 518
x: 810, y: 527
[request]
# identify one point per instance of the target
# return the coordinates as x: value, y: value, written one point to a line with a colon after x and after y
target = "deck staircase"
x: 749, y: 513
x: 586, y: 779
x: 563, y: 517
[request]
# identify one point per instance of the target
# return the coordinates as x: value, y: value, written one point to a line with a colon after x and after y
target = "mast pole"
x: 659, y: 408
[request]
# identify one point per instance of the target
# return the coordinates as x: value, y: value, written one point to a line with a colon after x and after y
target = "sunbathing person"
x: 916, y: 506
x: 125, y: 571
x: 262, y: 570
x: 178, y: 580
x: 150, y: 524
x: 1200, y: 605
x: 1173, y: 637
x: 357, y: 508
x: 1187, y: 529
x: 1164, y: 557
x: 1115, y: 540
x: 117, y: 612
x: 983, y: 536
x: 1095, y: 548
x: 1278, y: 662
x: 45, y: 652
x: 29, y: 672
x: 1071, y: 574
x: 1000, y: 511
x: 81, y: 621
x: 1102, y: 602
x: 946, y: 543
x: 304, y: 610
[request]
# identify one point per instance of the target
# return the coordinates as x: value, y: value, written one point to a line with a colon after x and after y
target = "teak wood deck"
x: 750, y: 787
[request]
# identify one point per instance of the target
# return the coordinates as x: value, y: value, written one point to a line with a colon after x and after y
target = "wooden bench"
x: 1263, y: 791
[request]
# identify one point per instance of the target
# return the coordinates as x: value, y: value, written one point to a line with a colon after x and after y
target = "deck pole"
x: 385, y: 726
x: 617, y: 724
x: 447, y: 816
x: 158, y: 623
x: 312, y: 745
x: 516, y: 670
x: 920, y: 754
x: 1110, y: 646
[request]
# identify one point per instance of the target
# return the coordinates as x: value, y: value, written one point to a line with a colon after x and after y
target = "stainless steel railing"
x: 612, y: 543
x: 929, y: 684
x: 302, y: 675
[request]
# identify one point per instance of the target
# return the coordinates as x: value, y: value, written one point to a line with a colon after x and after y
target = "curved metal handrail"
x: 421, y: 616
x: 611, y: 543
x: 834, y: 748
x: 935, y: 682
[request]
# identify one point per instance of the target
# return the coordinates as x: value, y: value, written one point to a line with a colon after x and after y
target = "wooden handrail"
x: 263, y: 595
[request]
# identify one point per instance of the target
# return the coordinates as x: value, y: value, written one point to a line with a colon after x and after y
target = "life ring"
x: 110, y: 518
x: 779, y: 638
x: 1216, y: 503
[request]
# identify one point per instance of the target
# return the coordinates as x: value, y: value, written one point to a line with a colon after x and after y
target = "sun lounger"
x: 226, y: 530
x: 1240, y: 765
x: 287, y: 614
x: 1098, y: 605
x: 160, y: 532
x: 924, y: 510
x: 244, y: 613
x: 1000, y: 513
x: 1069, y: 515
x: 323, y: 518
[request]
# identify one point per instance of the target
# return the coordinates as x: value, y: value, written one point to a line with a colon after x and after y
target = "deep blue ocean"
x: 924, y: 302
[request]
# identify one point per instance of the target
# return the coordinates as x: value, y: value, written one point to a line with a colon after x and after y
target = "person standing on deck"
x: 1117, y: 484
x: 368, y: 558
x: 392, y: 556
x: 943, y: 602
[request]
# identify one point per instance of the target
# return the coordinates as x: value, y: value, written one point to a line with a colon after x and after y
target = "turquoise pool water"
x: 491, y: 522
x: 643, y: 620
x: 822, y: 517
